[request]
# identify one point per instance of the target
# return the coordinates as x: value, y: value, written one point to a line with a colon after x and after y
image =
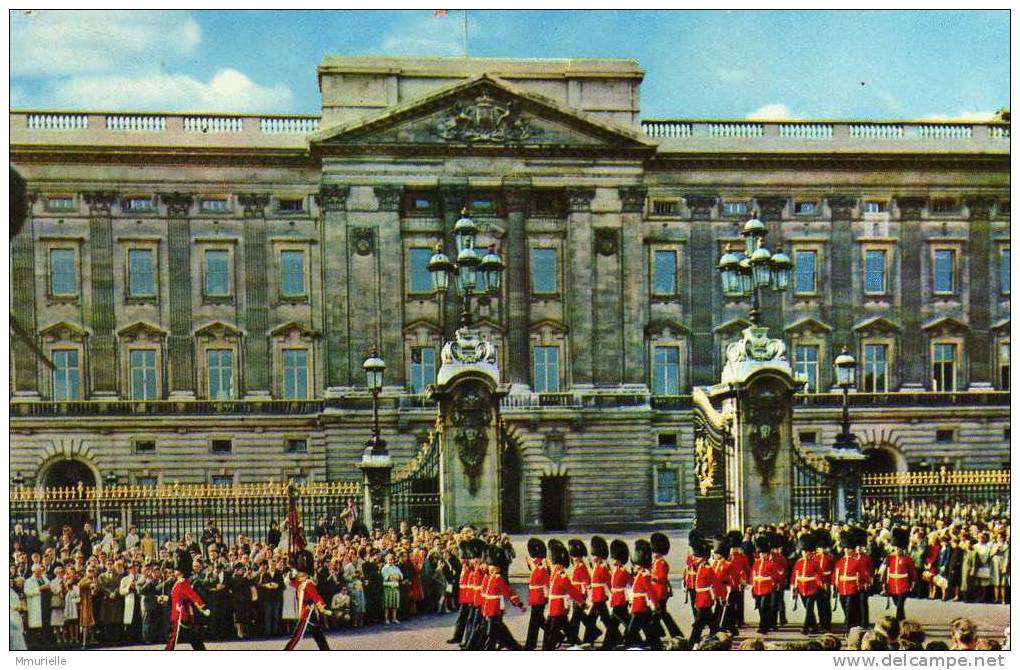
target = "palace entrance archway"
x: 76, y: 511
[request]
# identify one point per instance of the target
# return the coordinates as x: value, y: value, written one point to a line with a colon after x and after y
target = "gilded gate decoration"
x: 414, y: 490
x: 712, y: 439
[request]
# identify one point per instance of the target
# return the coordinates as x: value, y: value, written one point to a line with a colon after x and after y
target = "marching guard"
x: 706, y: 585
x: 661, y: 589
x: 619, y: 583
x: 496, y: 589
x: 694, y: 538
x: 867, y: 572
x: 538, y: 591
x: 310, y: 607
x: 826, y: 565
x: 779, y: 555
x: 727, y: 592
x: 847, y: 579
x: 640, y: 630
x: 900, y: 571
x: 465, y: 594
x: 183, y: 602
x: 766, y: 577
x: 741, y: 571
x: 806, y: 583
x: 581, y: 579
x: 560, y: 588
x: 599, y: 591
x: 475, y: 632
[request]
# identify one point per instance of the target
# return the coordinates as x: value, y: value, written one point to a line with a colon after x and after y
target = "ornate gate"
x: 713, y: 443
x: 812, y: 487
x: 414, y: 491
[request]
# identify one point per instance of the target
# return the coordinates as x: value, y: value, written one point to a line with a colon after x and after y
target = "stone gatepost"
x: 468, y: 391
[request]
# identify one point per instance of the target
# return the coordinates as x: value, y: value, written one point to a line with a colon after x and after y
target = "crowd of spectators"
x: 112, y: 587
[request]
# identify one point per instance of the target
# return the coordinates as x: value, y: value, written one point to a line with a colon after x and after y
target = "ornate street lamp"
x: 755, y: 269
x: 467, y: 267
x: 374, y: 369
x: 846, y: 458
x: 845, y: 365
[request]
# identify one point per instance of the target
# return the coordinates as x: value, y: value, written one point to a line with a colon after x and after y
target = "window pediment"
x: 548, y: 326
x: 1000, y: 326
x: 142, y: 331
x: 732, y: 326
x: 877, y: 324
x: 666, y: 328
x: 945, y: 324
x: 293, y: 329
x: 64, y: 331
x: 218, y: 330
x: 808, y: 325
x: 487, y: 325
x: 427, y: 327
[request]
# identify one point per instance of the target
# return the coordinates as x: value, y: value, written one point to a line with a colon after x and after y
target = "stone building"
x: 206, y: 286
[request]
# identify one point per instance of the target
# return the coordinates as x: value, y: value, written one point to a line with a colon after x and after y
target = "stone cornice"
x: 579, y: 199
x: 389, y: 197
x: 633, y: 198
x: 863, y: 161
x: 254, y: 204
x: 332, y: 197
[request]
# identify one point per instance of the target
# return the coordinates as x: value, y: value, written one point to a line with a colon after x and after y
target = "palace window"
x: 145, y: 446
x: 806, y: 208
x: 143, y: 374
x: 734, y: 209
x: 217, y: 272
x: 291, y: 205
x: 873, y: 206
x: 1003, y: 365
x: 139, y: 204
x: 213, y: 205
x: 63, y: 272
x: 805, y: 364
x: 945, y: 436
x: 666, y: 371
x: 147, y: 481
x: 547, y: 369
x: 543, y: 270
x: 141, y: 273
x: 295, y: 373
x: 944, y: 206
x: 297, y: 446
x: 423, y: 368
x: 292, y: 273
x: 945, y: 271
x: 418, y: 269
x: 223, y: 480
x: 220, y: 368
x: 665, y: 207
x: 875, y: 368
x: 666, y: 485
x: 944, y: 367
x: 874, y: 271
x: 808, y: 437
x: 667, y: 440
x: 483, y: 206
x: 665, y: 280
x: 1004, y: 271
x: 66, y: 374
x: 60, y: 203
x: 805, y: 267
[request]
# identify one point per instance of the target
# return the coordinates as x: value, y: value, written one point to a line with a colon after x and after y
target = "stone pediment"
x: 285, y: 330
x: 217, y: 330
x: 876, y: 324
x: 142, y: 330
x: 808, y: 325
x: 732, y: 326
x: 64, y: 331
x: 483, y: 112
x: 661, y: 326
x: 946, y: 324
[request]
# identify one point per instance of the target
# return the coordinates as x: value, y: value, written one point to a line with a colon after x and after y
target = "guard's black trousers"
x: 725, y: 615
x: 900, y: 601
x: 614, y: 632
x: 703, y: 617
x: 825, y: 610
x: 497, y: 635
x: 662, y: 617
x: 577, y: 617
x: 780, y: 604
x: 536, y: 622
x: 766, y: 612
x: 642, y: 626
x: 462, y: 619
x: 475, y: 632
x: 851, y: 609
x: 182, y: 633
x: 811, y: 603
x: 865, y: 613
x: 555, y: 629
x: 599, y: 611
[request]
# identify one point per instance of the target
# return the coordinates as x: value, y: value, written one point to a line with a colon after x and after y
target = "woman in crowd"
x: 391, y: 578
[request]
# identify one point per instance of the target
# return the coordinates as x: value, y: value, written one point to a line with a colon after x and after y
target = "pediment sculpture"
x: 485, y: 120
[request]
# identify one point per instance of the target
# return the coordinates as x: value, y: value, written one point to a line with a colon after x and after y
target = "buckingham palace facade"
x: 193, y: 294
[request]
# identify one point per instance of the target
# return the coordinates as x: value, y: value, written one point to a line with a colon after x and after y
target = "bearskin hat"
x: 900, y: 537
x: 736, y: 538
x: 466, y: 550
x: 479, y: 547
x: 846, y: 539
x: 694, y: 535
x: 495, y: 555
x: 860, y: 537
x: 642, y: 555
x: 702, y: 549
x: 599, y: 548
x: 660, y: 543
x: 303, y: 561
x: 721, y: 545
x: 558, y: 553
x: 777, y: 540
x: 182, y: 563
x: 823, y: 539
x: 619, y: 550
x: 536, y: 548
x: 761, y: 543
x: 576, y: 548
x: 806, y: 542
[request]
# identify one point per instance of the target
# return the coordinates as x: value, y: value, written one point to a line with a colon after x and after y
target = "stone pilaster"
x: 257, y: 360
x: 579, y: 268
x: 180, y: 345
x: 703, y: 262
x: 391, y: 290
x: 102, y: 320
x: 771, y: 208
x: 979, y: 352
x: 912, y: 362
x: 23, y: 286
x: 634, y: 284
x: 841, y: 282
x: 332, y: 202
x: 453, y: 198
x: 515, y: 199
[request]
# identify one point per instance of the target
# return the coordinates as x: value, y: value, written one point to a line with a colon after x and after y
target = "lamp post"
x: 374, y: 369
x: 846, y: 457
x: 375, y: 460
x: 754, y: 269
x: 468, y: 268
x: 845, y: 366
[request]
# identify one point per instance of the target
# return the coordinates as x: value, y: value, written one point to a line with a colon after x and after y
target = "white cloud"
x: 733, y: 76
x: 962, y: 116
x: 428, y: 35
x: 53, y: 43
x: 227, y: 90
x: 773, y: 110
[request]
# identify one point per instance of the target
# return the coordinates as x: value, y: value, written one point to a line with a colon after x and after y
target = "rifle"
x: 795, y: 594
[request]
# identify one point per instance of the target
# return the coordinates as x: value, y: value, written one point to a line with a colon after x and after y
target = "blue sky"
x: 731, y: 64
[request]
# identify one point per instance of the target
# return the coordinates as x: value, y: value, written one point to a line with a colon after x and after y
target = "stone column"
x: 979, y: 340
x: 912, y: 342
x: 453, y: 198
x: 102, y: 343
x: 180, y: 345
x: 703, y: 257
x: 578, y: 298
x: 841, y: 280
x: 257, y: 358
x: 23, y: 286
x: 517, y: 295
x: 634, y: 284
x: 332, y: 202
x: 391, y: 289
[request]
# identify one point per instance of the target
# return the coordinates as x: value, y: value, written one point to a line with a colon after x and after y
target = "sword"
x: 794, y: 601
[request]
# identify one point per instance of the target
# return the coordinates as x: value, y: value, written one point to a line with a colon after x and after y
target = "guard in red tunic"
x: 476, y: 628
x: 465, y: 594
x: 560, y: 589
x: 662, y: 590
x: 826, y: 565
x: 580, y: 577
x: 846, y: 577
x: 496, y: 591
x: 726, y: 593
x: 620, y: 580
x: 599, y: 591
x: 693, y: 539
x: 806, y: 583
x: 538, y: 591
x: 741, y: 570
x: 183, y: 603
x: 900, y: 571
x: 779, y: 556
x: 641, y: 631
x: 867, y: 571
x: 706, y: 588
x: 766, y: 579
x: 311, y: 609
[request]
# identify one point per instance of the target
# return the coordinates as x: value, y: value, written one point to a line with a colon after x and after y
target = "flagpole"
x: 465, y: 33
